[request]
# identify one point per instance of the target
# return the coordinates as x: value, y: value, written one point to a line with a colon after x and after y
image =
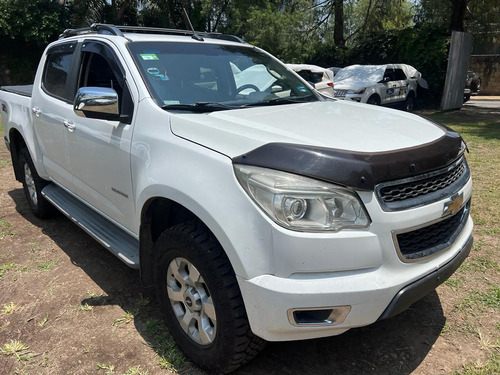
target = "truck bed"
x: 24, y: 90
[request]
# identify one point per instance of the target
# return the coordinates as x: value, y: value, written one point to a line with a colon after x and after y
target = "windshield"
x: 189, y: 74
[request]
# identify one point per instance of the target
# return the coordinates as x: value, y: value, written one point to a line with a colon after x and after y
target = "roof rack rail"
x: 101, y: 28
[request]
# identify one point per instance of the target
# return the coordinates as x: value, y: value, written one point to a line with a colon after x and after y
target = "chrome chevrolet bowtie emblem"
x: 453, y: 205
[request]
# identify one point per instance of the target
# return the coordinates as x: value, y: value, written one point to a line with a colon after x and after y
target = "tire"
x: 466, y: 98
x: 33, y: 185
x: 373, y: 100
x: 195, y: 282
x: 410, y: 103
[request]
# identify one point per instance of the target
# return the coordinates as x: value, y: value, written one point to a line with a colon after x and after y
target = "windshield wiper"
x: 199, y: 107
x: 278, y: 101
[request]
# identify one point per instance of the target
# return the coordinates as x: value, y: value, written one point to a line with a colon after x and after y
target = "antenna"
x: 189, y: 25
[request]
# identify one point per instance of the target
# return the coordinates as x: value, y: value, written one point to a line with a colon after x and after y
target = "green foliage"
x: 35, y: 22
x: 287, y: 33
x: 425, y: 48
x: 369, y: 16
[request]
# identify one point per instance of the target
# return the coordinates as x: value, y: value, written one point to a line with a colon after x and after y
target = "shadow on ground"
x: 394, y: 346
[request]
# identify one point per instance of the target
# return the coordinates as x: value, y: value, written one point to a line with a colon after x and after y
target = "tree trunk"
x: 338, y: 31
x: 458, y: 15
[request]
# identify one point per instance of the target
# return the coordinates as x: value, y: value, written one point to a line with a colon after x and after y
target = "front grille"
x: 340, y: 92
x: 432, y: 238
x: 423, y: 189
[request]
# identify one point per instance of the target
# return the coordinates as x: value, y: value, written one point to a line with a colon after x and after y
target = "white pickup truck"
x: 258, y: 214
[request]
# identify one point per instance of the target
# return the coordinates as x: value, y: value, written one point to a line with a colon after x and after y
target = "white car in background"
x: 389, y: 84
x: 320, y: 78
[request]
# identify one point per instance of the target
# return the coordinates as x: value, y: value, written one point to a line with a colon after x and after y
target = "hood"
x: 332, y: 124
x: 357, y: 77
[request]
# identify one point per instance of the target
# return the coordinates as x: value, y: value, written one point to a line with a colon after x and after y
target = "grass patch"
x: 481, y: 264
x: 47, y: 265
x: 136, y: 371
x: 170, y: 357
x: 5, y: 229
x: 490, y: 367
x: 42, y: 322
x: 126, y: 318
x: 5, y: 163
x: 17, y: 349
x: 85, y: 307
x: 110, y: 369
x: 482, y: 300
x: 454, y: 283
x: 5, y: 267
x: 9, y: 309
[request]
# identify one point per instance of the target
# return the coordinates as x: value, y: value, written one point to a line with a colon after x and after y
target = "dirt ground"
x: 79, y: 310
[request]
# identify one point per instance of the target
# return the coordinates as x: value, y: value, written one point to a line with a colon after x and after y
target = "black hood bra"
x: 358, y: 170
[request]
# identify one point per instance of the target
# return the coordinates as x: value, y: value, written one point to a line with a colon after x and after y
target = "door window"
x: 95, y: 71
x: 389, y: 73
x: 56, y: 73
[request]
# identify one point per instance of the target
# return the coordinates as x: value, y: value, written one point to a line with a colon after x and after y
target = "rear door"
x: 401, y: 82
x: 99, y: 150
x: 52, y: 106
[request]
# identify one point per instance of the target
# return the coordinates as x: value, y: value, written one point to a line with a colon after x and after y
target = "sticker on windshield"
x: 302, y: 89
x: 149, y: 56
x: 168, y: 102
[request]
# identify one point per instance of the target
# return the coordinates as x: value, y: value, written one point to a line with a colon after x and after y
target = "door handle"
x: 37, y: 111
x: 68, y: 125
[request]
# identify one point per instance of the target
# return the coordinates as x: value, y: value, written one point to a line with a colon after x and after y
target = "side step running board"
x: 120, y: 243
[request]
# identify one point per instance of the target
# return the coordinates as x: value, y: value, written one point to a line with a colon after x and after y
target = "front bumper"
x: 420, y: 288
x: 369, y: 294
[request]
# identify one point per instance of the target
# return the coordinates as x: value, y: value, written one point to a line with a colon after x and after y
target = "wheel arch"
x: 16, y: 143
x: 376, y: 96
x: 158, y: 214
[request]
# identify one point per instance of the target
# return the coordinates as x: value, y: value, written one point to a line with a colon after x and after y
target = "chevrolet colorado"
x: 258, y: 209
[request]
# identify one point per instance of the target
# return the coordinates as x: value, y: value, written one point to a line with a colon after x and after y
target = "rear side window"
x: 56, y: 73
x: 309, y: 76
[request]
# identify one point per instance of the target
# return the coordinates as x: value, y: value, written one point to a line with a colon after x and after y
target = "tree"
x: 338, y: 31
x: 29, y: 21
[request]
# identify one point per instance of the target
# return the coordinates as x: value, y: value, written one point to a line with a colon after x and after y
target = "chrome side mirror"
x: 97, y: 102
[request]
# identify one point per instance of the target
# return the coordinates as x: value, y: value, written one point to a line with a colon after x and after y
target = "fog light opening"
x: 325, y: 316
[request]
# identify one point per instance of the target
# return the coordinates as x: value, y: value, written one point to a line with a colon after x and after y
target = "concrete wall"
x: 487, y: 67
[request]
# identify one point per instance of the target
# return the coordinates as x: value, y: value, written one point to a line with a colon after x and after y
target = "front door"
x: 99, y: 150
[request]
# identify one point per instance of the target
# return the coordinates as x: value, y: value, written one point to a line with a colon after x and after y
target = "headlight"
x: 301, y: 203
x: 356, y: 91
